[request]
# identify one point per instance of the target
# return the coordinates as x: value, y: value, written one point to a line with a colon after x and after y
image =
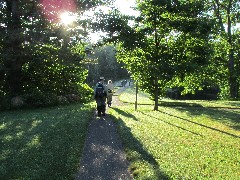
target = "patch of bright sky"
x: 124, y: 6
x: 67, y: 18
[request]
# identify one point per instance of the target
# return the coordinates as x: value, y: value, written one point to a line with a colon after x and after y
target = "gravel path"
x: 103, y: 156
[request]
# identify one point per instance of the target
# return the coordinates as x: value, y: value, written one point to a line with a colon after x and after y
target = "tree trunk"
x: 216, y: 6
x: 14, y: 50
x: 232, y: 76
x: 156, y: 56
x: 156, y: 94
x: 232, y: 79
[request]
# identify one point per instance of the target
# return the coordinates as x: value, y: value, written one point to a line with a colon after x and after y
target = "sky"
x: 125, y: 7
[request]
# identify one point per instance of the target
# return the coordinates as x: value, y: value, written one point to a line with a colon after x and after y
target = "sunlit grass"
x: 202, y: 103
x: 181, y: 142
x: 129, y: 96
x: 43, y: 143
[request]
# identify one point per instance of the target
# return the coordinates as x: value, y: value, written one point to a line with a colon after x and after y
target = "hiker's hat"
x: 101, y: 78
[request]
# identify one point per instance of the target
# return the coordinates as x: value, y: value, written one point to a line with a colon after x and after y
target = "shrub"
x: 34, y: 97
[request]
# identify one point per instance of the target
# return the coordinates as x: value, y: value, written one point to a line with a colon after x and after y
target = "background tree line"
x: 103, y: 62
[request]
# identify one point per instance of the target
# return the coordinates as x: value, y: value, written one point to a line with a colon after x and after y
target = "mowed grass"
x: 183, y: 140
x: 43, y: 143
x: 129, y: 96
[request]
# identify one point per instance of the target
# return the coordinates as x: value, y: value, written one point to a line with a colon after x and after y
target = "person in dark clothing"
x: 100, y: 92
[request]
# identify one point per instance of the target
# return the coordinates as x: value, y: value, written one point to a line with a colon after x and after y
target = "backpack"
x: 100, y: 93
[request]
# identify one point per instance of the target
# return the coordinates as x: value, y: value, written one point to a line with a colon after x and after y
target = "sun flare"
x: 67, y: 18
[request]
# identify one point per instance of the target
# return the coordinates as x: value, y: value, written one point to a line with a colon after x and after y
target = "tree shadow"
x: 133, y: 144
x: 197, y: 112
x: 217, y: 114
x: 235, y: 104
x: 36, y: 144
x: 103, y: 156
x: 237, y: 127
x: 179, y: 104
x: 123, y: 113
x: 172, y: 124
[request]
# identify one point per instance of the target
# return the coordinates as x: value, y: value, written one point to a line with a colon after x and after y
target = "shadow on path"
x: 103, y: 156
x: 133, y: 144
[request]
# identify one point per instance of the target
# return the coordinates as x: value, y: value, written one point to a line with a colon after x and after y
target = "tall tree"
x: 226, y: 13
x: 13, y: 46
x: 169, y: 43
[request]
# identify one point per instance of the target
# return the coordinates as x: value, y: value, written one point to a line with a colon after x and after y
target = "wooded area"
x: 172, y: 43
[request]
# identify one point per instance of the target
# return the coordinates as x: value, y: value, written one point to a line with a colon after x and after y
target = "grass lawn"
x: 43, y: 143
x: 183, y: 140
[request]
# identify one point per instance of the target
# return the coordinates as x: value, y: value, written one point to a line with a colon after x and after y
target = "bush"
x: 4, y: 102
x: 86, y: 92
x: 37, y: 98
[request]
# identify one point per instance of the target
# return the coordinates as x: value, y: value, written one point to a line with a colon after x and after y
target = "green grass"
x: 185, y: 141
x: 129, y: 96
x: 43, y: 143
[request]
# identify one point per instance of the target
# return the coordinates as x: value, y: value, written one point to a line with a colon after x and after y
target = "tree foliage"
x: 168, y: 46
x: 225, y: 34
x: 190, y: 44
x: 103, y: 62
x: 38, y: 59
x: 172, y: 43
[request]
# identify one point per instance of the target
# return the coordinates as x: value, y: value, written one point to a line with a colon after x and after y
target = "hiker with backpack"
x: 100, y: 93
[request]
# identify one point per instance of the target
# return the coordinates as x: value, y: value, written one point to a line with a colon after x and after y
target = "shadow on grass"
x: 235, y: 104
x: 226, y: 116
x: 128, y: 115
x: 172, y: 124
x: 42, y: 144
x: 202, y: 125
x: 134, y: 145
x: 181, y: 104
